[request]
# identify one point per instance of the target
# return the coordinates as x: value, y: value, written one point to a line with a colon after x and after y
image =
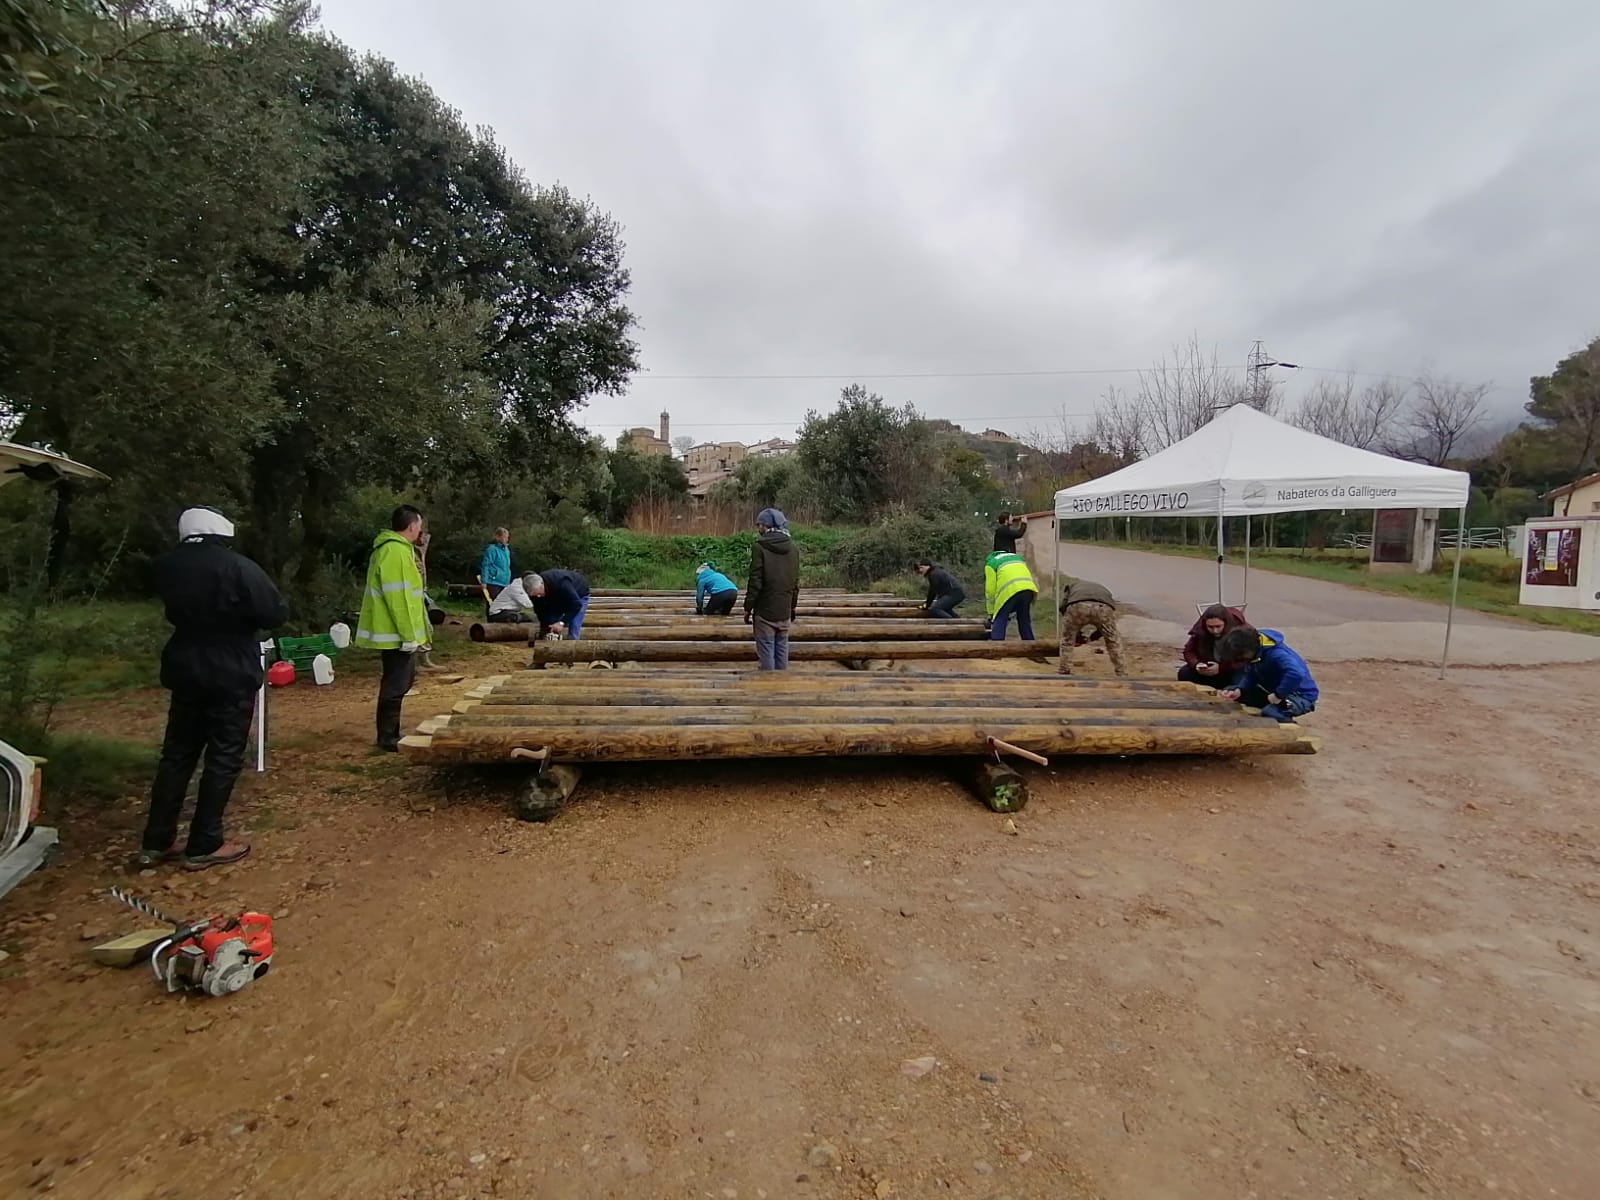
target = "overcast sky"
x: 926, y: 186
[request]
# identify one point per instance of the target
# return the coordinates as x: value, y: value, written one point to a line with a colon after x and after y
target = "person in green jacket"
x: 1009, y: 591
x: 393, y: 620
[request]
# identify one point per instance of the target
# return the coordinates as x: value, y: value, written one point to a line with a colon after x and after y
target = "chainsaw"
x: 214, y: 955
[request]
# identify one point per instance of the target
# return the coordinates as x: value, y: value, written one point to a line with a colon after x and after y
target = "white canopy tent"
x: 1244, y: 463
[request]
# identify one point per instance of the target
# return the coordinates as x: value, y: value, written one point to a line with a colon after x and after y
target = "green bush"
x: 644, y: 560
x: 889, y: 548
x: 87, y: 767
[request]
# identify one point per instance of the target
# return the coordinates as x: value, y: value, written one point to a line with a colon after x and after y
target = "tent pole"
x: 1056, y: 569
x: 1220, y: 600
x: 1455, y: 587
x: 1245, y: 599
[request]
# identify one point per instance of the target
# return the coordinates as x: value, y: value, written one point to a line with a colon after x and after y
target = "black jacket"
x: 1006, y: 537
x: 942, y: 583
x: 773, y: 592
x: 564, y: 594
x: 217, y: 602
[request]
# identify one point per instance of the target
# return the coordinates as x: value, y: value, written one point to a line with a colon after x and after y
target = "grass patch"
x: 1490, y: 582
x: 88, y: 768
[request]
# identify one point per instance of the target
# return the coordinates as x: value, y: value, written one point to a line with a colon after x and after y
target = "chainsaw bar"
x: 144, y: 906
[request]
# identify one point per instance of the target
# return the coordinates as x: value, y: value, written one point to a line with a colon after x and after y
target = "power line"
x: 1043, y: 373
x: 990, y: 418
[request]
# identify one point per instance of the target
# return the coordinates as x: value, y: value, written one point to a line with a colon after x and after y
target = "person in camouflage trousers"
x: 1089, y: 611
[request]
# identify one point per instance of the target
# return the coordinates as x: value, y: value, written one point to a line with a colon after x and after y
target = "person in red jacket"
x: 1200, y: 651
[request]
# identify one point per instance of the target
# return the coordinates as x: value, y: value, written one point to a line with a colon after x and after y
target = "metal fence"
x: 1483, y: 537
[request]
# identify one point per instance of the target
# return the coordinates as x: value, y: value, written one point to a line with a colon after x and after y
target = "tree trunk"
x: 801, y: 651
x: 641, y: 743
x: 60, y: 534
x: 1000, y: 787
x: 804, y: 630
x: 534, y: 717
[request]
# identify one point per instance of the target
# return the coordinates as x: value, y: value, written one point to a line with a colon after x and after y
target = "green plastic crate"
x: 302, y: 650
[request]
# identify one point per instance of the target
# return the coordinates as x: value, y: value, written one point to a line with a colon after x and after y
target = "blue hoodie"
x: 1279, y: 670
x: 495, y: 567
x: 709, y: 583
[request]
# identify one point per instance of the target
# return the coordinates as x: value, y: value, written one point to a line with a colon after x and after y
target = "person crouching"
x: 1266, y: 674
x: 714, y: 592
x: 1200, y: 654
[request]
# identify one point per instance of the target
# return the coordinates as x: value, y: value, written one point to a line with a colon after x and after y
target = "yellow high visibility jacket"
x: 392, y: 615
x: 1004, y: 575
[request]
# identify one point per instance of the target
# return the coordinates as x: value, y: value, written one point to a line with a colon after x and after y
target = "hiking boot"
x: 228, y: 852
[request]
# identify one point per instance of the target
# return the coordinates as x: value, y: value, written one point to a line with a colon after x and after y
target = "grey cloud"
x: 950, y: 187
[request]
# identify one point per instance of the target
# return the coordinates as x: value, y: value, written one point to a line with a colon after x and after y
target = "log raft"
x: 606, y: 718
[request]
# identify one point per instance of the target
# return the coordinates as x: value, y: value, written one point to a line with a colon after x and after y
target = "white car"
x: 24, y: 846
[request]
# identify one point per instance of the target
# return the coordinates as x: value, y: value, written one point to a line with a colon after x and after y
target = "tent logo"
x: 1255, y: 493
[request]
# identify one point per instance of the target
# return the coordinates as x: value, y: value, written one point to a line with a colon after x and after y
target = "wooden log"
x: 649, y: 743
x: 613, y: 619
x: 800, y: 651
x: 626, y: 593
x: 782, y: 702
x: 802, y: 631
x: 1000, y: 787
x: 791, y: 684
x: 499, y: 631
x: 534, y: 718
x: 547, y: 792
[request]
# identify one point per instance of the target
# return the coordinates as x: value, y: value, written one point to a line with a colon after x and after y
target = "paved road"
x: 1330, y: 621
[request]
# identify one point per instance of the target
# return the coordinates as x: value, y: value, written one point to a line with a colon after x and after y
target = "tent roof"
x: 18, y: 462
x: 1244, y: 461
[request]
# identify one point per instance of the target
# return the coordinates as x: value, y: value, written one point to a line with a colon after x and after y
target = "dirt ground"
x: 1370, y: 973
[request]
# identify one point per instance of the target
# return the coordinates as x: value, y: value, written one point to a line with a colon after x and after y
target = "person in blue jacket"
x: 494, y: 568
x: 714, y: 592
x: 1266, y: 674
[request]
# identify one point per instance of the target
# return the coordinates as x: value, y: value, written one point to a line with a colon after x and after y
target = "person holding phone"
x: 1200, y: 651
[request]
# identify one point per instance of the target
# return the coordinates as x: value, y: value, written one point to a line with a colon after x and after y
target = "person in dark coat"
x: 945, y: 593
x: 1008, y: 532
x: 560, y: 600
x: 217, y: 602
x: 1200, y: 663
x: 773, y: 592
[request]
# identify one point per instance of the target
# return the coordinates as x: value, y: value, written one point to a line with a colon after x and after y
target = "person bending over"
x: 1088, y: 606
x: 1266, y: 674
x: 560, y: 599
x: 714, y: 592
x: 514, y: 604
x: 945, y: 593
x: 1009, y: 591
x: 1200, y: 651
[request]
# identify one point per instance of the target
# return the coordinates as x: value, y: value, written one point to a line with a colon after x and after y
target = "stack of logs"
x: 830, y: 625
x: 686, y: 713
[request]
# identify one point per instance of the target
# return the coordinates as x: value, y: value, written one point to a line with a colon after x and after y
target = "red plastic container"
x: 280, y: 674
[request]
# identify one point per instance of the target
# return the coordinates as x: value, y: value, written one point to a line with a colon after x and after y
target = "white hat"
x: 203, y: 522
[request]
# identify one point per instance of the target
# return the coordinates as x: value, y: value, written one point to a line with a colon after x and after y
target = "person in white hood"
x: 217, y: 602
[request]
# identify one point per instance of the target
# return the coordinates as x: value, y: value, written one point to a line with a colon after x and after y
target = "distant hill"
x: 1000, y: 453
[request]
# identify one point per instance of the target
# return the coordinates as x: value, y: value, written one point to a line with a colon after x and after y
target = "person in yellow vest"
x: 1009, y: 591
x: 393, y: 620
